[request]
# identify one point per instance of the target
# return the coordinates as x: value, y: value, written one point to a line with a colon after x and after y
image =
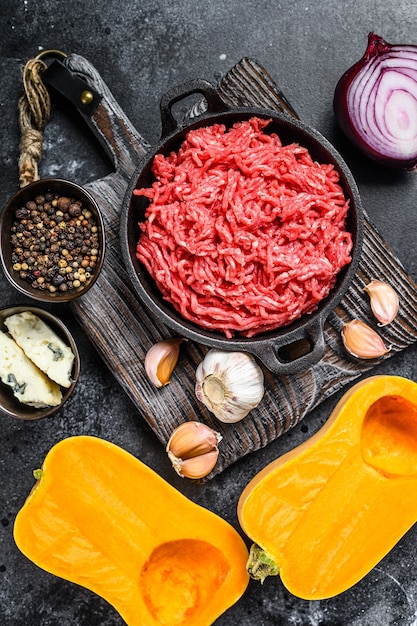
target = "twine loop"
x: 34, y: 111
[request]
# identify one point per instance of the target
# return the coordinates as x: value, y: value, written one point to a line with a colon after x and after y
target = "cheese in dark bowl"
x: 39, y: 362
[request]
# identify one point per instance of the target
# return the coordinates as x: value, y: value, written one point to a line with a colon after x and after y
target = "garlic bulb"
x: 161, y: 359
x: 383, y: 300
x: 192, y: 449
x: 230, y: 384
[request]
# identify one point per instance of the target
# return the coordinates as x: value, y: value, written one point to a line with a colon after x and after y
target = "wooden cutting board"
x: 122, y: 331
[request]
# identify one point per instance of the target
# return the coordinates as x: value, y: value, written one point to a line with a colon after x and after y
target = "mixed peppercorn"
x: 55, y: 243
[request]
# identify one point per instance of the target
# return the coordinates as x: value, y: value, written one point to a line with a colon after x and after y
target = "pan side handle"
x: 294, y: 353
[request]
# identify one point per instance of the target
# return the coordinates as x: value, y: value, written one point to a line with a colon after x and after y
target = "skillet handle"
x: 300, y: 350
x: 79, y: 83
x: 176, y: 94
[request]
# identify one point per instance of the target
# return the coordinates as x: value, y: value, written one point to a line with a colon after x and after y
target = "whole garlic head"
x: 230, y: 384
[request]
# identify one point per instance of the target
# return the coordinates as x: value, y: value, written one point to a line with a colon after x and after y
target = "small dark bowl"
x: 7, y: 217
x: 11, y: 405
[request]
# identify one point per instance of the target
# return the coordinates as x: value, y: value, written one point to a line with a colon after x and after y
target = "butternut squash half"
x: 324, y: 514
x: 101, y: 518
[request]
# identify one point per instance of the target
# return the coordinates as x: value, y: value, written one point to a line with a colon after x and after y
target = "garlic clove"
x: 361, y: 341
x: 192, y: 449
x: 197, y: 466
x: 161, y: 359
x: 383, y: 300
x: 230, y: 384
x: 192, y: 439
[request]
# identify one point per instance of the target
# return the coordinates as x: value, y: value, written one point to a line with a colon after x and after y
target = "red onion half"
x: 375, y: 103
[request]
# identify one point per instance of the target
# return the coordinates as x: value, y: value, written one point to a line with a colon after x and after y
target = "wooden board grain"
x: 123, y: 331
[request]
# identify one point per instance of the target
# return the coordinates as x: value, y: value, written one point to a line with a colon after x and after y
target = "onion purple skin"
x: 343, y: 113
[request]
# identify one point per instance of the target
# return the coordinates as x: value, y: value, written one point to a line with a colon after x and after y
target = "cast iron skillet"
x: 284, y: 351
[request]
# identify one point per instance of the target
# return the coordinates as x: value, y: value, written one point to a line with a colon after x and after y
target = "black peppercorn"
x: 21, y: 213
x: 57, y: 280
x: 74, y: 210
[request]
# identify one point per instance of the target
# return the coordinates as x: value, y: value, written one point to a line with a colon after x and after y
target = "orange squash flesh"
x: 102, y: 519
x: 328, y: 511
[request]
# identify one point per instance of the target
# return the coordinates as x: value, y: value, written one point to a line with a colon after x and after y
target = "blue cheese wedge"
x: 30, y: 386
x: 42, y: 346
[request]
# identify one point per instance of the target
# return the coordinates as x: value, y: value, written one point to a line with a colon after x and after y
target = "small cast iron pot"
x: 289, y: 349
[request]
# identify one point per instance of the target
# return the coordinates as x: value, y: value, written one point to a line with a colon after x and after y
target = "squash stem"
x: 37, y: 474
x: 260, y: 564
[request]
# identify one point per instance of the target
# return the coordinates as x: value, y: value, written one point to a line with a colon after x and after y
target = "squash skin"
x: 102, y: 519
x: 329, y: 510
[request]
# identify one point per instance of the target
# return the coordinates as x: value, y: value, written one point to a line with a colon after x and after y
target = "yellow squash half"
x: 324, y: 514
x: 101, y: 518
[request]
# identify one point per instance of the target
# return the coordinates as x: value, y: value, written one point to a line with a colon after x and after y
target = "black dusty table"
x: 142, y: 51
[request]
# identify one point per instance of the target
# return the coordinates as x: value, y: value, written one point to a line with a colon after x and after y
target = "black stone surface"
x: 142, y: 49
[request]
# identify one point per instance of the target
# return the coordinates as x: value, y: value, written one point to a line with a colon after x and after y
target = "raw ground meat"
x: 243, y: 234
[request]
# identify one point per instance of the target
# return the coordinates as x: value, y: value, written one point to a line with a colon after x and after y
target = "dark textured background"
x: 142, y: 49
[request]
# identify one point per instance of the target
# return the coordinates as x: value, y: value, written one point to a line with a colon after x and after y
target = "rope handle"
x: 34, y: 108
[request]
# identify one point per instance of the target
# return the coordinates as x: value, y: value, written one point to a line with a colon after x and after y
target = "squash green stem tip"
x: 260, y: 564
x: 37, y: 473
